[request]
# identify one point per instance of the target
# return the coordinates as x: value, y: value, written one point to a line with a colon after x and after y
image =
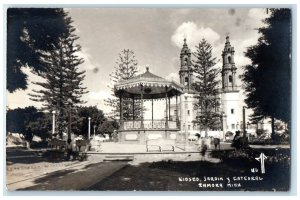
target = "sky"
x: 156, y: 36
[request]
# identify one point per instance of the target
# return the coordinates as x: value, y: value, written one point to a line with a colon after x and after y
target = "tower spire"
x: 227, y: 43
x: 184, y: 43
x: 228, y: 69
x: 185, y: 71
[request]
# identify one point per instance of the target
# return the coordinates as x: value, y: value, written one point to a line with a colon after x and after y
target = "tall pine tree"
x: 63, y: 79
x: 206, y: 84
x: 126, y: 68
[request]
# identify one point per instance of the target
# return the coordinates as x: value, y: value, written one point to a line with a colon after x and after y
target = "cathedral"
x: 229, y: 94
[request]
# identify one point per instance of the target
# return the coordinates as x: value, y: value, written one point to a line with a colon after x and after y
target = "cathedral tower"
x: 185, y: 72
x: 230, y: 96
x: 228, y: 69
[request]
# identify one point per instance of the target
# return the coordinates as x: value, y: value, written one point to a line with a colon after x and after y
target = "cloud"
x: 88, y: 64
x: 20, y: 98
x: 194, y: 34
x: 98, y: 99
x: 249, y: 42
x: 100, y: 95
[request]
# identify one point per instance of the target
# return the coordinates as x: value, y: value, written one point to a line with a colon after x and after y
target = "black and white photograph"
x: 185, y: 98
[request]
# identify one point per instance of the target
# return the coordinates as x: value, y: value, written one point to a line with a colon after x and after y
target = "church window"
x: 230, y: 79
x: 188, y: 112
x: 229, y: 59
x: 189, y: 127
x: 195, y: 108
x: 185, y: 61
x: 186, y: 81
x: 232, y: 111
x: 232, y: 126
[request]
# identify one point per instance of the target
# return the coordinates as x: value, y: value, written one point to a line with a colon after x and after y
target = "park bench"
x: 56, y: 143
x: 162, y: 144
x: 82, y: 155
x: 57, y: 151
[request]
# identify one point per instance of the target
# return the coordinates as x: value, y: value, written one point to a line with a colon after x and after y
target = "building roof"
x: 153, y: 86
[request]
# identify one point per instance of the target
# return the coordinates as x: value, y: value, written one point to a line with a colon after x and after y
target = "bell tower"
x: 185, y: 72
x: 230, y: 93
x: 228, y: 69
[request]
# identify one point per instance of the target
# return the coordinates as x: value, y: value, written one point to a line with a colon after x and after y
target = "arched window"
x: 186, y: 81
x: 229, y: 59
x: 230, y: 79
x: 185, y: 61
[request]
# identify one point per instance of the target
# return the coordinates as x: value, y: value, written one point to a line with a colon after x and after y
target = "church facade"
x: 229, y: 97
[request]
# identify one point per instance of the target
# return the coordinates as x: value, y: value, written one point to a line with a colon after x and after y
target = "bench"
x: 85, y: 143
x: 82, y: 155
x: 161, y: 144
x: 56, y: 143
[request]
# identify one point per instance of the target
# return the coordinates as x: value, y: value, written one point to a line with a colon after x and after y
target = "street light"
x: 53, y: 122
x: 89, y: 129
x: 69, y: 127
x: 223, y: 125
x: 244, y: 121
x: 185, y: 119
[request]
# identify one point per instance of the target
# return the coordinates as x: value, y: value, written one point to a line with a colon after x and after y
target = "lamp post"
x: 95, y: 130
x: 185, y: 119
x: 89, y: 128
x: 244, y: 121
x: 53, y: 122
x: 223, y: 125
x: 69, y: 126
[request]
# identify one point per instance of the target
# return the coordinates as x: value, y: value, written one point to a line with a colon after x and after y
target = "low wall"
x: 141, y: 136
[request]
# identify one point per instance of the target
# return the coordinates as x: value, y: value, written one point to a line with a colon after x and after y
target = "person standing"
x: 69, y: 149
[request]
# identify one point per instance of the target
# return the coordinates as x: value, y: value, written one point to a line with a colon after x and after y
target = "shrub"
x: 240, y: 143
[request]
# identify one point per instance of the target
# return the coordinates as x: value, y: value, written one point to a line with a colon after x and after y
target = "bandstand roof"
x: 154, y: 87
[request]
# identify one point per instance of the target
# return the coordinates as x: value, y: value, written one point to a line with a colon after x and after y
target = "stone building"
x: 229, y: 96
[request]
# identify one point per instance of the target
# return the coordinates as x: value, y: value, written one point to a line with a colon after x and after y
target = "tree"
x: 28, y: 121
x: 41, y: 126
x: 97, y: 119
x: 206, y: 83
x: 29, y: 31
x: 108, y: 127
x: 267, y: 80
x: 126, y: 68
x: 62, y: 89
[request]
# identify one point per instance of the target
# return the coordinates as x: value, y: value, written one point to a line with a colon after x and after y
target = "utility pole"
x: 244, y: 122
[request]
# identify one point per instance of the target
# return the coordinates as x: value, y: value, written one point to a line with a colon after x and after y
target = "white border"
x: 163, y: 3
